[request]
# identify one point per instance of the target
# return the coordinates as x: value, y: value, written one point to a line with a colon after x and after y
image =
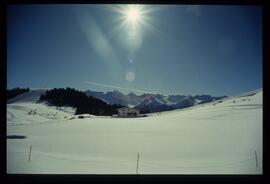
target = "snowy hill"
x: 23, y: 109
x: 220, y: 137
x: 30, y: 96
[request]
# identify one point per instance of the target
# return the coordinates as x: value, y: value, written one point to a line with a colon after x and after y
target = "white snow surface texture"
x: 216, y: 138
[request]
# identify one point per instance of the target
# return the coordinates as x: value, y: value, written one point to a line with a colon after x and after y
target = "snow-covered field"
x: 214, y: 138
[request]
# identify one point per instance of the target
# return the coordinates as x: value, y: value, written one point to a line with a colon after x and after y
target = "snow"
x: 30, y: 96
x: 213, y: 138
x: 197, y: 101
x: 23, y: 113
x: 167, y: 101
x: 130, y: 105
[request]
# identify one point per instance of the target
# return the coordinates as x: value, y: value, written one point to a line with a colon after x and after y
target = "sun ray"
x: 133, y: 14
x: 134, y: 11
x: 134, y: 21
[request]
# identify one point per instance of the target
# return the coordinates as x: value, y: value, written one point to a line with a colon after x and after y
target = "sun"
x: 133, y: 13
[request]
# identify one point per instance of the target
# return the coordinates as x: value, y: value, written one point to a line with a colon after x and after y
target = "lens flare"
x: 133, y: 14
x: 130, y: 76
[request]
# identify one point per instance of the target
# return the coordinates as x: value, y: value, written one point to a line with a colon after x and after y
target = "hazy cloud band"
x: 118, y: 87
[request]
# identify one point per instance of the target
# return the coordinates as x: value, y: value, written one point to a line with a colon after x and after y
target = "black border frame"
x: 56, y: 178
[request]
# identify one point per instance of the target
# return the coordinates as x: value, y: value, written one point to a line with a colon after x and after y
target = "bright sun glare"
x: 133, y: 14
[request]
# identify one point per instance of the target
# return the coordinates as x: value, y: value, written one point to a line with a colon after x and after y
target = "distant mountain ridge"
x: 152, y: 102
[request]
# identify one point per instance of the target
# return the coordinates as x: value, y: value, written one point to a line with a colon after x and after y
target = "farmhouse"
x: 127, y: 112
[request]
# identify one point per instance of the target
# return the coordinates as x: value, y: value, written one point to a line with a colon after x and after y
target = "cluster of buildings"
x: 128, y: 112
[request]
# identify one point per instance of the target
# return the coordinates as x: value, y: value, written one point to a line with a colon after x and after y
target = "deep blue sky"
x: 214, y: 50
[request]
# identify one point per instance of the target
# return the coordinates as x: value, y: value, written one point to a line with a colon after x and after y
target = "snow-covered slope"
x: 30, y: 96
x: 220, y: 137
x: 24, y: 109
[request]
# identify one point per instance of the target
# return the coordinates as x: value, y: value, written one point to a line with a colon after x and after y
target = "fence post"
x: 138, y: 157
x: 29, y: 153
x: 256, y: 158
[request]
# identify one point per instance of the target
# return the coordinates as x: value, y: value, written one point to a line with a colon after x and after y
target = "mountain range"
x: 152, y: 102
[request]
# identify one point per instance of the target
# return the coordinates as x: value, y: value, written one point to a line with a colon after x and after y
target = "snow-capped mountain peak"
x: 131, y: 94
x: 152, y: 102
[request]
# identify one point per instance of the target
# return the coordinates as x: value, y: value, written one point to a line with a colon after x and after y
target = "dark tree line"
x: 84, y: 104
x: 11, y: 93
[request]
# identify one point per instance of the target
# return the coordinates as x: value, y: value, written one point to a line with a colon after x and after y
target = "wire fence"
x: 80, y: 160
x: 206, y: 166
x: 144, y: 162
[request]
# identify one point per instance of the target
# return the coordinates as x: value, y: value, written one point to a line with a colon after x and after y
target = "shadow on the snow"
x: 16, y: 137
